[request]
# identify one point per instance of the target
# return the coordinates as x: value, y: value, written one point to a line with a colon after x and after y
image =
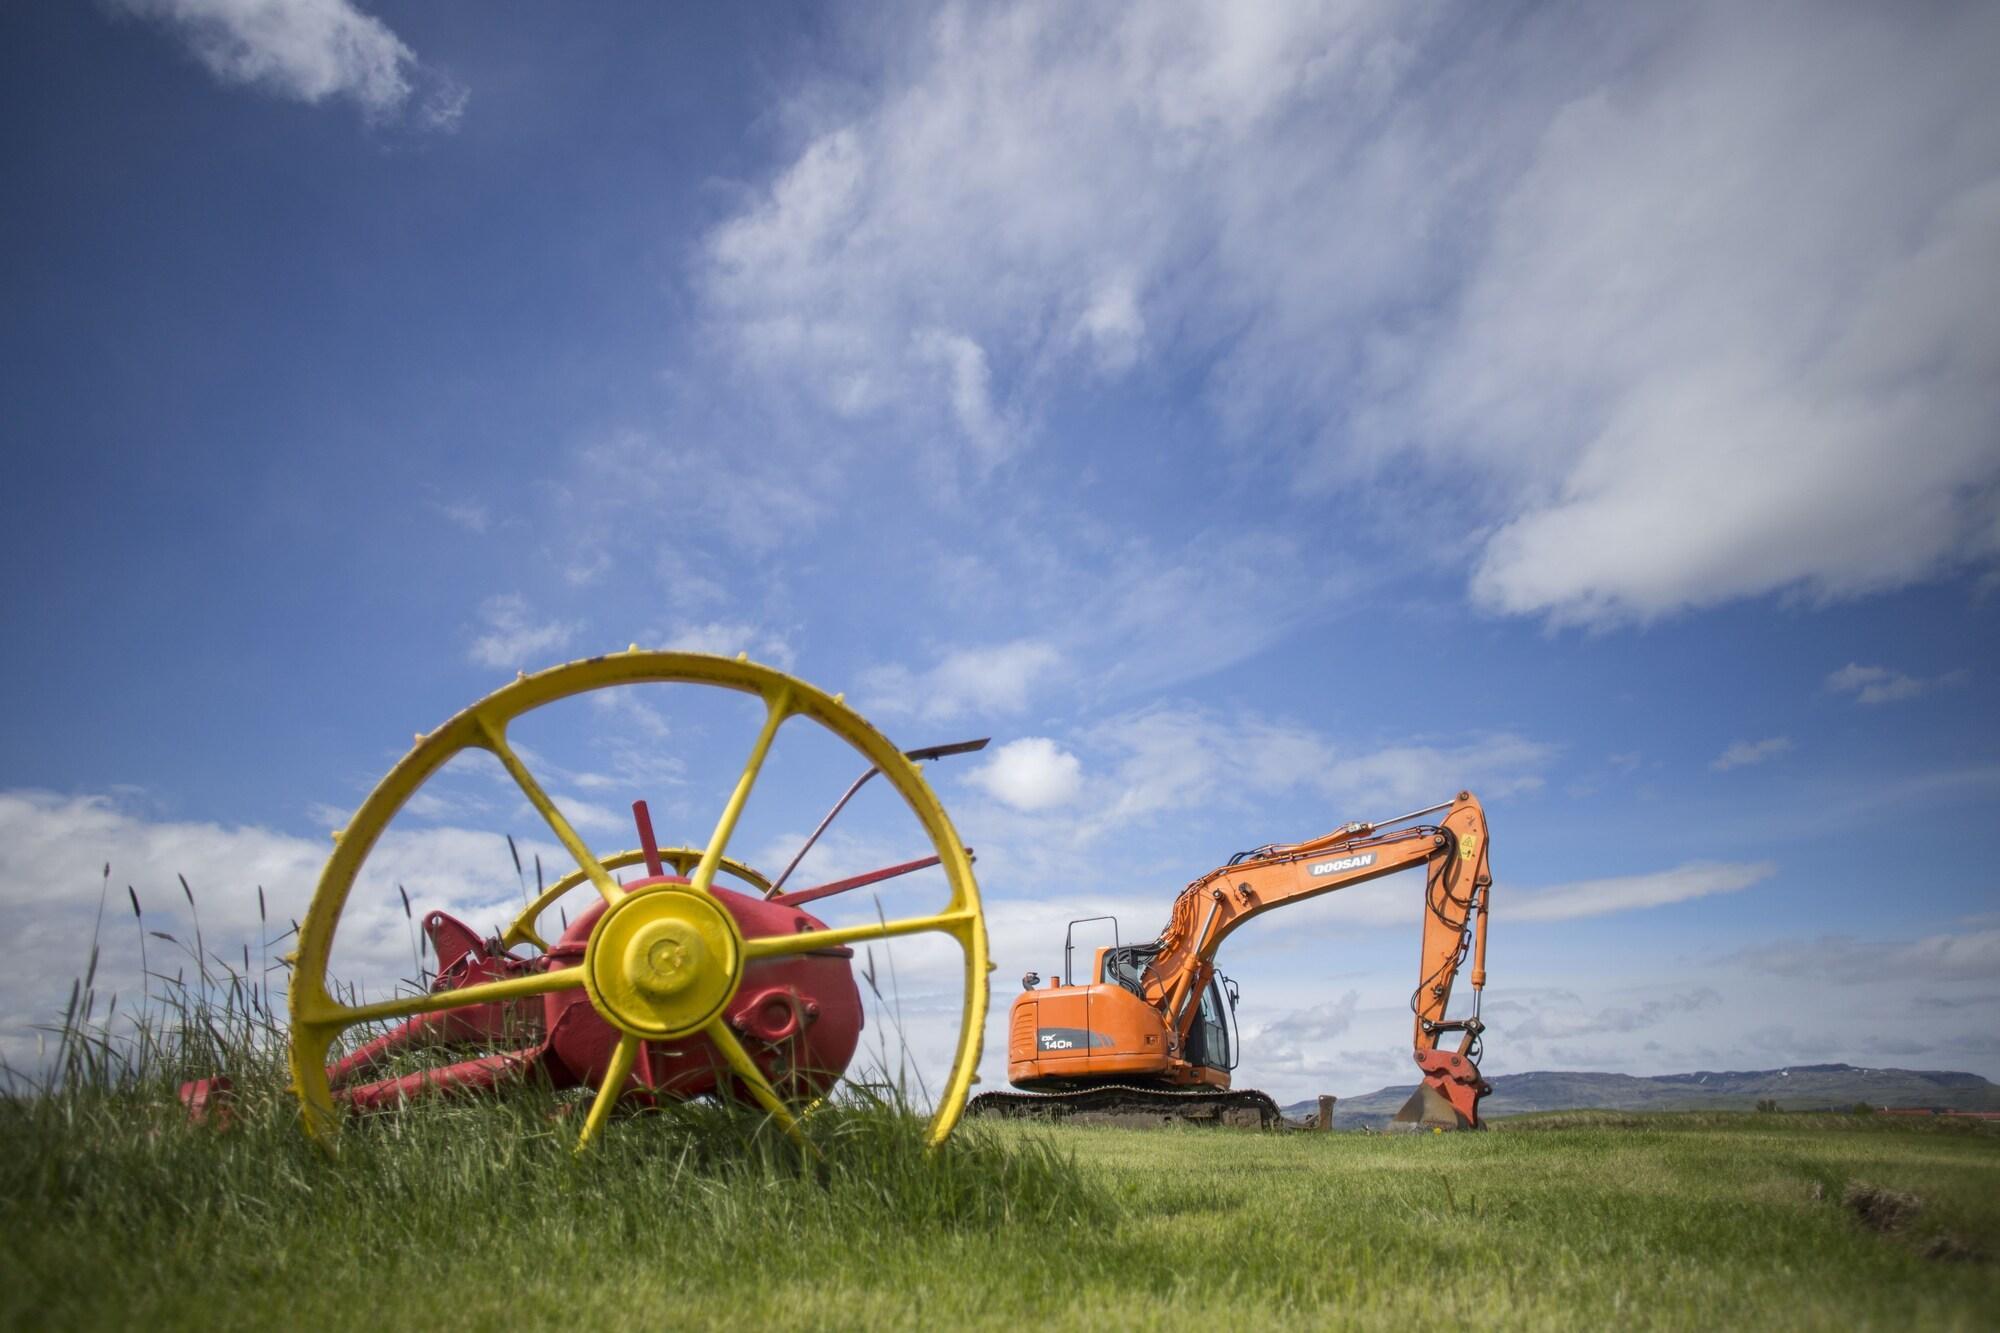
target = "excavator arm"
x: 1457, y: 883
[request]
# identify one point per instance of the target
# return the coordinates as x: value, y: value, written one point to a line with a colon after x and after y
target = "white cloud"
x: 53, y: 849
x: 1741, y: 754
x: 437, y: 803
x: 969, y: 386
x: 689, y: 583
x: 1321, y: 1022
x: 1178, y: 756
x: 1563, y: 1015
x: 1880, y: 685
x: 1967, y: 955
x: 1130, y: 615
x: 311, y: 50
x: 1112, y: 326
x: 747, y: 499
x: 728, y: 638
x: 514, y: 639
x: 586, y: 568
x: 1700, y: 306
x: 589, y: 817
x: 1182, y: 765
x: 1159, y: 617
x: 627, y: 712
x: 468, y: 514
x: 1492, y: 766
x: 1741, y: 301
x: 992, y: 680
x: 1171, y: 758
x: 1626, y: 893
x: 1043, y: 165
x: 1032, y: 773
x: 1295, y: 1045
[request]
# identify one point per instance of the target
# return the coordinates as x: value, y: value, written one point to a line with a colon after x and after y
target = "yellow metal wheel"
x: 627, y: 980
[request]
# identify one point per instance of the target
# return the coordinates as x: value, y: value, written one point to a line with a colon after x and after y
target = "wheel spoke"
x: 777, y: 707
x: 408, y: 1006
x: 611, y: 1089
x: 747, y: 1070
x: 496, y: 741
x: 811, y: 941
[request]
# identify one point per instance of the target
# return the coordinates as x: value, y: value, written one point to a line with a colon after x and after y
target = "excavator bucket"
x: 1448, y: 1098
x: 1428, y: 1109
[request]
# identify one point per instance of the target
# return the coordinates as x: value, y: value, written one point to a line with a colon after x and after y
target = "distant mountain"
x: 1795, y: 1088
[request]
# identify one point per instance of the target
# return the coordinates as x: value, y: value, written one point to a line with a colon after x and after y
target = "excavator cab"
x: 1208, y: 1040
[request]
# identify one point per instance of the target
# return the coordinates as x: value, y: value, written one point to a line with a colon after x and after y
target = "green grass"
x: 476, y: 1215
x: 115, y: 1212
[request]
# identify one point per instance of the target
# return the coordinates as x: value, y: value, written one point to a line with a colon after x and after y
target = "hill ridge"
x: 1793, y: 1087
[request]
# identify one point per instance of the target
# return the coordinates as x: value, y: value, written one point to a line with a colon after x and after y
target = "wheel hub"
x: 663, y: 961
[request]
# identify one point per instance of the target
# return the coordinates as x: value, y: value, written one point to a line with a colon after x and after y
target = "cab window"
x: 1208, y: 1040
x: 1123, y: 967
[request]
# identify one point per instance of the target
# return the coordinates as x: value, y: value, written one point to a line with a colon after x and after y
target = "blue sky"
x: 1253, y: 420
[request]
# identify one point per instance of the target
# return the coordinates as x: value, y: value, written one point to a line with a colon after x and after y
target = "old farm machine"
x: 669, y: 985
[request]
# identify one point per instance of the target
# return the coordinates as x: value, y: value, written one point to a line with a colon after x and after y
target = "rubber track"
x: 1195, y: 1105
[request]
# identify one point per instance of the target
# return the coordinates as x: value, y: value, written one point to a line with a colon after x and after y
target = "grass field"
x: 115, y: 1214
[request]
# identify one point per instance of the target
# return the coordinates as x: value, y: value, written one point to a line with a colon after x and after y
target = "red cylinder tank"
x: 798, y: 1017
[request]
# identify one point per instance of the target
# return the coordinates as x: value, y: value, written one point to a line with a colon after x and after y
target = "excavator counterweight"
x: 1148, y: 1035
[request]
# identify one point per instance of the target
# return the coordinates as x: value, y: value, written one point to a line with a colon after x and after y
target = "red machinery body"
x: 799, y: 1018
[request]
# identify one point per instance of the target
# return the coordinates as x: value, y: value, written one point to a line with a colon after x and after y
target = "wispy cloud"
x: 309, y: 51
x: 746, y: 500
x: 1970, y: 955
x: 1627, y: 893
x: 996, y: 680
x: 726, y: 638
x: 514, y: 638
x: 1297, y: 1044
x: 1174, y: 762
x: 1379, y: 240
x: 968, y: 386
x: 1742, y: 754
x: 625, y: 710
x: 1881, y: 685
x: 1172, y: 757
x: 470, y: 515
x: 1564, y: 1016
x: 1131, y: 614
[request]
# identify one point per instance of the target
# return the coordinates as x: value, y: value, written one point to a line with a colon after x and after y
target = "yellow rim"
x: 317, y: 1018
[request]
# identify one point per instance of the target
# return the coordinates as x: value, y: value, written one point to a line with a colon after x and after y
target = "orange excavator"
x: 1147, y: 1039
